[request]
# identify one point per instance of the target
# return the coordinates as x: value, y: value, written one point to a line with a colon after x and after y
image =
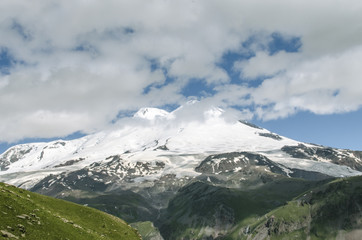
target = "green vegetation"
x: 280, y: 208
x: 27, y: 215
x: 286, y: 208
x: 127, y: 205
x: 147, y: 230
x: 330, y: 211
x: 201, y: 209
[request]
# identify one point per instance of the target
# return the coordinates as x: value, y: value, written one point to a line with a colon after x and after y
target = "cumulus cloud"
x: 264, y: 64
x: 74, y: 65
x: 329, y: 84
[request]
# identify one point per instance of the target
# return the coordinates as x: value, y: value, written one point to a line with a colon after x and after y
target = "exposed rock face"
x: 250, y: 124
x: 352, y: 159
x: 69, y: 163
x: 98, y: 176
x: 236, y: 162
x: 12, y: 156
x: 271, y: 135
x: 248, y: 165
x: 7, y: 234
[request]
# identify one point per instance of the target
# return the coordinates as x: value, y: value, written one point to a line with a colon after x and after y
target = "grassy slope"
x: 147, y: 230
x: 126, y: 205
x: 330, y: 211
x: 197, y: 206
x: 32, y: 216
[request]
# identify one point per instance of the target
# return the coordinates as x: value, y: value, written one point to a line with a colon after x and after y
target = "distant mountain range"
x: 192, y: 174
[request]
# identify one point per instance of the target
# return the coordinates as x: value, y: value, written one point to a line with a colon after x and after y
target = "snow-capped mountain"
x: 155, y: 143
x: 161, y: 166
x: 151, y: 113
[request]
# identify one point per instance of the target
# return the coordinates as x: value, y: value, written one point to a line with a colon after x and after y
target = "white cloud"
x: 264, y: 64
x: 330, y: 84
x: 79, y: 63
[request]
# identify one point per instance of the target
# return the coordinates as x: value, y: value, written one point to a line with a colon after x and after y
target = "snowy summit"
x: 151, y: 113
x: 179, y: 141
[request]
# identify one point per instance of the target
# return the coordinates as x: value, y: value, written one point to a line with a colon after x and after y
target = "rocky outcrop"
x: 352, y: 159
x: 236, y: 162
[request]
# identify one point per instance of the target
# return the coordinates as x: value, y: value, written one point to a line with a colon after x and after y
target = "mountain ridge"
x: 164, y: 137
x: 146, y: 162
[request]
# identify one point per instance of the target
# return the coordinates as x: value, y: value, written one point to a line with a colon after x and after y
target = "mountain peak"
x: 150, y: 113
x: 214, y: 112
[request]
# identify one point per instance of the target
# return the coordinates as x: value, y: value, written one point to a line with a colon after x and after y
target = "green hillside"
x: 202, y: 210
x: 27, y: 215
x: 330, y: 211
x: 286, y: 208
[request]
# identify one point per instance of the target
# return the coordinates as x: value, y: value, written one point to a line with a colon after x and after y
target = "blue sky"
x: 292, y: 68
x: 336, y: 130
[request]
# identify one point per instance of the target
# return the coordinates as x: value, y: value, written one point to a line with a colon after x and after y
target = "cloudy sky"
x: 77, y: 66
